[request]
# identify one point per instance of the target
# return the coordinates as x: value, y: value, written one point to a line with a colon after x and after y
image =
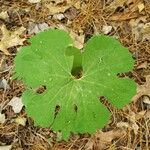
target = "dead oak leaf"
x: 10, y: 38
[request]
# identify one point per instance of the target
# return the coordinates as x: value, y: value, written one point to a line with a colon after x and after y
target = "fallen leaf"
x: 9, y: 147
x: 59, y: 16
x: 4, y: 15
x: 140, y: 114
x: 135, y: 127
x: 3, y: 66
x: 56, y: 1
x: 146, y: 100
x: 140, y: 28
x: 147, y: 115
x: 71, y: 14
x: 143, y: 89
x: 106, y: 29
x: 34, y: 1
x: 123, y: 124
x: 106, y: 138
x: 133, y: 122
x: 123, y: 16
x: 16, y: 104
x: 133, y: 118
x: 36, y: 28
x: 117, y: 3
x: 2, y: 118
x: 59, y: 7
x: 141, y: 7
x: 146, y: 31
x: 4, y: 84
x: 89, y: 145
x: 10, y: 38
x: 21, y: 121
x: 143, y: 65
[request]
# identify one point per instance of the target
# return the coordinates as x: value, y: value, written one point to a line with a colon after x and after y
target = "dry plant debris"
x: 10, y: 38
x: 16, y: 104
x: 127, y: 20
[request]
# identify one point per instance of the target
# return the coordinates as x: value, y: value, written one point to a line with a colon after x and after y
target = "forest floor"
x: 126, y: 20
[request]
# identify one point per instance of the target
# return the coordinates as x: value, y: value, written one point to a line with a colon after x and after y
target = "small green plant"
x: 73, y: 81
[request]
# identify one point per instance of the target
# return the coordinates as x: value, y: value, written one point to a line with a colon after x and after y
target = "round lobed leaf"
x: 71, y: 104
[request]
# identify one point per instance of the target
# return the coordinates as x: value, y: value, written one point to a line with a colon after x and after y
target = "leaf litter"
x: 140, y: 50
x: 10, y: 38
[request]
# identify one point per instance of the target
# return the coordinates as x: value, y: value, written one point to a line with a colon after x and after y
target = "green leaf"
x: 74, y: 81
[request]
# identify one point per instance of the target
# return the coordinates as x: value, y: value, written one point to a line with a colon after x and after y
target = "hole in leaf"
x: 57, y: 109
x: 41, y: 89
x: 75, y: 108
x: 77, y: 72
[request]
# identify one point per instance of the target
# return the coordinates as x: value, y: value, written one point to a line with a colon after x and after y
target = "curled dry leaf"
x: 10, y: 38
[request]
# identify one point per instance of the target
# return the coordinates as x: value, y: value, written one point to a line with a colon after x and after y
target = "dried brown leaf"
x: 4, y: 15
x: 105, y: 138
x: 10, y: 38
x: 117, y: 3
x: 141, y: 6
x: 146, y: 31
x: 60, y: 7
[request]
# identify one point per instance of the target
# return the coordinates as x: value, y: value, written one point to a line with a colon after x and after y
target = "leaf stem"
x: 77, y: 61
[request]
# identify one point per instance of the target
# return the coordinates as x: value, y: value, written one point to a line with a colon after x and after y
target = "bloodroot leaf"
x: 73, y: 81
